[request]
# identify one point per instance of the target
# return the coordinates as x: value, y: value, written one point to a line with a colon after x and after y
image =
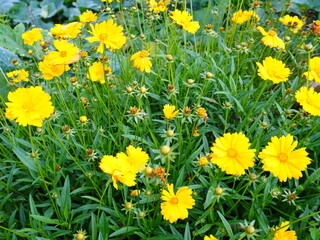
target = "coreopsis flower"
x: 66, y: 53
x: 29, y: 106
x: 309, y: 100
x: 294, y: 23
x: 119, y: 169
x: 314, y: 70
x: 203, y: 161
x: 70, y: 30
x: 274, y: 70
x: 315, y: 27
x: 240, y: 16
x: 141, y: 61
x: 280, y: 158
x: 51, y: 70
x: 282, y: 233
x: 18, y: 75
x: 211, y: 237
x: 183, y: 19
x: 169, y: 111
x: 271, y: 39
x: 88, y: 16
x: 32, y: 36
x: 136, y: 158
x: 232, y: 154
x: 109, y: 34
x: 109, y: 1
x: 176, y: 205
x: 98, y: 71
x: 159, y: 6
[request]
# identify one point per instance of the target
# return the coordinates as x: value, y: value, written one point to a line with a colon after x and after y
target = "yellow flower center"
x: 63, y: 54
x: 232, y: 152
x: 103, y: 36
x: 272, y: 33
x: 174, y: 200
x: 283, y: 157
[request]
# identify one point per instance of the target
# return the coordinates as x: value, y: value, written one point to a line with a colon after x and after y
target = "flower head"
x: 32, y: 36
x: 211, y: 237
x: 18, y: 75
x: 136, y: 158
x: 271, y: 39
x: 232, y: 154
x: 240, y: 16
x: 98, y: 71
x: 280, y: 158
x: 66, y: 53
x: 88, y: 16
x: 183, y: 19
x: 309, y: 100
x: 176, y: 205
x: 282, y: 233
x: 294, y: 23
x: 29, y: 106
x: 141, y: 61
x: 314, y: 70
x: 119, y: 169
x: 70, y: 30
x: 109, y: 34
x: 315, y: 27
x: 159, y: 6
x: 274, y: 70
x: 168, y: 111
x: 51, y: 70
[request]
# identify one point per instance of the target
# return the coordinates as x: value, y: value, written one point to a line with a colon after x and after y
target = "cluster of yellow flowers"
x: 232, y: 154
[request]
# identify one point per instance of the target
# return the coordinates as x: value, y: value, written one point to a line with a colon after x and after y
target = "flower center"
x: 232, y: 152
x: 174, y: 200
x: 272, y: 33
x: 63, y: 54
x: 144, y: 54
x: 283, y: 157
x: 103, y: 36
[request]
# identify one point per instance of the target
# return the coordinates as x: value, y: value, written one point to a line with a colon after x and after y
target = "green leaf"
x: 226, y: 225
x: 46, y: 219
x: 124, y: 230
x: 25, y: 159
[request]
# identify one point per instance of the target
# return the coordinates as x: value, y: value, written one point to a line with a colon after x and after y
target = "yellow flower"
x: 294, y: 23
x: 18, y: 75
x: 32, y: 36
x: 232, y: 154
x: 176, y: 205
x: 210, y: 237
x: 282, y: 233
x: 109, y: 1
x: 51, y: 70
x: 274, y: 70
x: 202, y: 112
x: 136, y: 158
x: 160, y: 6
x: 88, y: 16
x: 271, y: 39
x: 203, y: 161
x: 314, y: 70
x: 29, y: 106
x: 98, y: 71
x: 168, y: 111
x: 119, y: 170
x: 281, y: 160
x: 309, y: 100
x: 141, y: 61
x: 183, y: 19
x: 240, y: 16
x: 109, y: 34
x: 70, y: 30
x: 67, y: 53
